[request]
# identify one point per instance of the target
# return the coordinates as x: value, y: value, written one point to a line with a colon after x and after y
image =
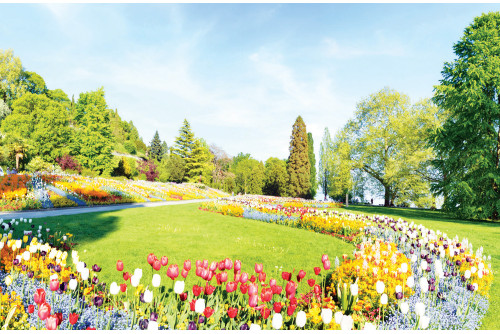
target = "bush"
x: 89, y: 173
x: 68, y: 162
x: 38, y: 165
x: 149, y: 169
x: 130, y: 147
x: 123, y: 169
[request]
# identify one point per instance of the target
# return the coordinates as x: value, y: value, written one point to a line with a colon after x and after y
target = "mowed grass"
x: 479, y: 233
x: 184, y: 232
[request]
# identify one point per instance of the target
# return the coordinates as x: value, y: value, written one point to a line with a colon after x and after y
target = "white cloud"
x: 380, y: 45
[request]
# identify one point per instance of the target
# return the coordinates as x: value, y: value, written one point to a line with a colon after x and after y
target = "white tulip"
x: 410, y: 281
x: 134, y: 280
x: 413, y: 258
x: 424, y: 285
x: 199, y: 306
x: 254, y: 327
x: 148, y: 296
x: 277, y: 320
x: 380, y: 286
x: 19, y: 243
x: 480, y: 274
x: 80, y: 266
x: 179, y: 287
x: 404, y: 267
x: 423, y: 265
x: 1, y: 245
x: 420, y: 309
x: 338, y: 317
x: 26, y: 256
x: 152, y: 326
x: 326, y: 315
x: 480, y: 266
x: 424, y: 322
x: 114, y: 288
x: 404, y: 307
x: 301, y: 319
x: 346, y: 323
x: 475, y: 286
x: 354, y: 289
x: 53, y: 277
x: 473, y: 270
x: 399, y: 288
x: 467, y: 274
x: 85, y: 273
x: 138, y: 272
x: 370, y: 327
x: 73, y: 284
x: 383, y: 299
x: 156, y: 280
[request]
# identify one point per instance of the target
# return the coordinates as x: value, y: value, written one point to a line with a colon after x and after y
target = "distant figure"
x: 8, y: 171
x: 232, y: 193
x: 372, y: 201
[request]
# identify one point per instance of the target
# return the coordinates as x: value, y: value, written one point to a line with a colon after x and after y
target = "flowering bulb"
x: 114, y: 288
x: 277, y: 321
x: 383, y: 299
x: 419, y: 309
x: 380, y: 287
x: 326, y: 315
x: 301, y: 319
x: 346, y: 323
x: 179, y: 287
x: 404, y: 307
x: 338, y: 317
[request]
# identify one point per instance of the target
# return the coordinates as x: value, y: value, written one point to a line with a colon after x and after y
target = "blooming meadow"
x: 400, y: 276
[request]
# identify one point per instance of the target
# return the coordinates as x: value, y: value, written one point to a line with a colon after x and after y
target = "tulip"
x: 31, y: 309
x: 197, y: 290
x: 266, y: 294
x: 156, y: 265
x: 173, y: 271
x: 420, y: 309
x: 151, y: 258
x: 424, y: 322
x: 199, y: 306
x: 262, y: 277
x: 253, y: 300
x: 252, y: 290
x: 221, y: 265
x: 338, y: 317
x: 98, y: 301
x: 187, y: 265
x: 156, y: 280
x: 179, y: 287
x: 237, y: 265
x: 286, y: 275
x: 346, y: 323
x: 383, y: 299
x: 43, y: 311
x: 39, y: 296
x: 209, y: 289
x: 410, y: 281
x: 354, y: 289
x: 237, y: 277
x: 317, y: 270
x: 213, y: 265
x: 254, y: 327
x: 467, y: 274
x: 324, y: 258
x: 277, y: 307
x: 8, y: 280
x: 119, y: 265
x: 152, y: 326
x: 134, y: 280
x: 223, y: 276
x: 231, y: 286
x: 232, y: 312
x: 123, y: 287
x: 59, y: 318
x: 126, y: 276
x: 148, y: 296
x: 183, y: 296
x: 259, y: 267
x: 244, y: 278
x: 380, y: 287
x: 138, y: 273
x: 404, y: 307
x: 369, y: 327
x: 399, y: 288
x: 290, y: 288
x: 244, y: 288
x: 114, y: 289
x: 424, y: 285
x: 404, y: 267
x: 311, y: 282
x: 51, y: 322
x: 277, y: 321
x: 302, y: 274
x: 301, y: 319
x: 85, y: 273
x: 326, y: 315
x: 164, y: 261
x: 73, y: 318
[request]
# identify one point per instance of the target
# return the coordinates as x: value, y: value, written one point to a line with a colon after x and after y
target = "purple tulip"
x: 143, y: 324
x: 244, y: 327
x: 98, y: 301
x: 57, y: 268
x: 31, y: 274
x: 95, y: 280
x: 192, y: 326
x: 15, y: 262
x: 153, y: 316
x: 201, y: 319
x: 96, y: 268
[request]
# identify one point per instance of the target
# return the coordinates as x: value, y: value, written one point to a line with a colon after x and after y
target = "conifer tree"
x: 199, y: 164
x: 312, y: 163
x: 298, y: 166
x: 156, y: 147
x: 184, y: 144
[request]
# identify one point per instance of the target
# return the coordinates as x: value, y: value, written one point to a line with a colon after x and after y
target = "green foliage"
x: 4, y: 111
x: 299, y: 168
x: 92, y: 141
x: 58, y: 95
x: 89, y: 173
x: 42, y: 122
x: 11, y: 74
x: 341, y: 165
x: 156, y: 151
x: 249, y: 174
x: 34, y: 83
x: 176, y: 168
x: 38, y: 165
x: 129, y: 147
x: 312, y: 164
x: 126, y: 136
x: 199, y: 164
x: 276, y: 177
x: 123, y: 168
x: 325, y: 152
x: 185, y: 142
x: 468, y: 143
x: 221, y: 163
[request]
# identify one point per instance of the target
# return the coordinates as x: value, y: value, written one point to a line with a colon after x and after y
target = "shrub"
x: 130, y: 147
x: 38, y: 165
x: 148, y: 168
x: 68, y: 162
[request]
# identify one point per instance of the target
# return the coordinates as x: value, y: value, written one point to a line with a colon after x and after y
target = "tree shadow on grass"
x: 420, y: 214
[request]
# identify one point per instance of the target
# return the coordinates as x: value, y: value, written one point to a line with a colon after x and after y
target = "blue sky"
x: 240, y: 73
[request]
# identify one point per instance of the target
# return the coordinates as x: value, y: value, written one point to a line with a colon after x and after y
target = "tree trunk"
x: 346, y: 199
x: 387, y: 197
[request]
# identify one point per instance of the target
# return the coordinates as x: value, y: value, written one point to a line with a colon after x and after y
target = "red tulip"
x: 157, y: 265
x: 164, y: 260
x: 192, y: 304
x: 237, y: 277
x: 222, y: 265
x: 244, y: 288
x: 184, y: 273
x: 126, y: 276
x: 311, y: 282
x: 73, y: 318
x: 291, y: 310
x: 232, y: 312
x: 237, y: 265
x: 262, y: 277
x: 231, y: 286
x: 31, y: 309
x: 277, y: 307
x: 253, y: 289
x: 39, y: 296
x: 51, y: 322
x: 266, y: 295
x: 187, y: 265
x: 199, y: 270
x: 253, y: 300
x: 317, y: 289
x: 293, y: 301
x: 259, y: 267
x: 223, y: 276
x: 123, y: 287
x: 290, y: 288
x: 244, y: 278
x: 326, y: 265
x: 265, y: 312
x: 205, y: 264
x: 277, y: 289
x: 90, y: 328
x: 208, y: 312
x: 217, y: 277
x: 54, y: 285
x: 151, y: 258
x: 210, y: 275
x: 197, y: 290
x: 317, y: 270
x: 272, y: 282
x: 173, y: 271
x: 209, y: 289
x: 199, y: 263
x: 183, y: 296
x: 59, y: 318
x: 205, y: 274
x: 43, y: 311
x: 302, y: 274
x: 252, y: 279
x: 228, y: 263
x: 344, y: 256
x: 119, y: 265
x: 286, y: 276
x: 213, y: 266
x: 324, y: 258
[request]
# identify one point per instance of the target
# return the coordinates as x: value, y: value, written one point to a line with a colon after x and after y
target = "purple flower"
x: 201, y: 319
x: 16, y: 262
x: 244, y: 327
x: 192, y: 326
x: 98, y: 301
x: 153, y: 316
x: 143, y: 324
x: 95, y: 280
x: 57, y: 268
x: 96, y: 268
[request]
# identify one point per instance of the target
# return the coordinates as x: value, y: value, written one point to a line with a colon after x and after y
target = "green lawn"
x: 183, y: 232
x: 479, y: 233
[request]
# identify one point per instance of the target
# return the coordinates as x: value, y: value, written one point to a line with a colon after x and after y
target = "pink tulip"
x: 259, y: 268
x: 205, y: 274
x: 244, y: 278
x: 43, y: 311
x: 231, y: 286
x: 198, y: 263
x: 173, y: 271
x: 237, y: 265
x: 210, y: 275
x: 324, y: 258
x: 199, y: 271
x: 326, y: 265
x: 272, y: 282
x: 253, y: 290
x: 51, y: 322
x: 156, y: 265
x: 223, y: 276
x: 237, y: 277
x: 222, y: 265
x: 205, y: 264
x: 184, y: 273
x: 228, y: 263
x: 187, y: 265
x: 54, y: 285
x: 213, y: 266
x: 164, y: 261
x: 253, y: 300
x: 262, y: 277
x: 151, y: 258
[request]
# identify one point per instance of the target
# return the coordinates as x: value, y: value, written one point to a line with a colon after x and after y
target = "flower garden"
x: 29, y: 192
x: 399, y: 276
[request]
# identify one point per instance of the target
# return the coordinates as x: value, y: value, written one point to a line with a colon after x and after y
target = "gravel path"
x: 79, y: 210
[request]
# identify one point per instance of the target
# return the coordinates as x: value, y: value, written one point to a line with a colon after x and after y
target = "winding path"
x: 78, y: 210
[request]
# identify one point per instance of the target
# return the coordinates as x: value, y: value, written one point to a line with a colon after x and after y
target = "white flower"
x: 152, y: 326
x: 138, y: 272
x: 404, y: 267
x: 26, y: 256
x: 399, y: 288
x: 179, y: 287
x: 354, y: 289
x: 326, y: 315
x: 370, y: 327
x: 1, y: 245
x: 73, y: 284
x: 467, y: 274
x: 254, y: 327
x: 413, y: 258
x: 424, y: 285
x: 475, y: 286
x: 480, y: 274
x: 80, y: 266
x: 420, y: 309
x: 473, y: 270
x: 423, y: 265
x: 156, y: 280
x: 134, y: 280
x: 199, y: 306
x: 8, y: 280
x: 54, y: 276
x: 148, y: 296
x: 480, y: 266
x: 114, y: 288
x: 404, y: 307
x: 410, y: 281
x: 301, y: 319
x: 380, y: 286
x: 85, y: 273
x: 338, y: 317
x: 424, y: 321
x: 346, y: 323
x: 383, y: 299
x: 277, y: 320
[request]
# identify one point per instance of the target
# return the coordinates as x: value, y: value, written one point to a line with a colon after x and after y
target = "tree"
x: 468, y: 143
x: 325, y: 150
x: 276, y: 177
x: 312, y: 164
x: 299, y: 168
x: 221, y: 162
x: 176, y: 168
x: 249, y: 174
x: 184, y: 143
x: 388, y: 142
x: 199, y: 164
x: 341, y: 167
x: 11, y: 73
x: 93, y: 140
x: 4, y: 110
x: 155, y: 151
x: 34, y: 83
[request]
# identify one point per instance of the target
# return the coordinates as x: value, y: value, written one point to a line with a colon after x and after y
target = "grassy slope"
x: 479, y: 233
x: 184, y: 232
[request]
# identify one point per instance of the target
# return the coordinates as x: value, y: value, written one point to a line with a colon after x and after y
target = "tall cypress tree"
x: 156, y: 148
x: 299, y: 168
x: 312, y: 163
x: 184, y: 144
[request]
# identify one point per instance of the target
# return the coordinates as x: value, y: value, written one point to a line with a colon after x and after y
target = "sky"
x: 239, y: 73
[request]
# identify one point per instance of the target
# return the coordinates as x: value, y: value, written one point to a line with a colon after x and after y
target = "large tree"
x: 11, y: 75
x: 325, y: 151
x: 468, y: 143
x: 155, y: 150
x: 276, y: 177
x: 199, y: 164
x: 184, y: 143
x: 341, y: 167
x: 299, y: 168
x: 312, y: 163
x: 249, y: 174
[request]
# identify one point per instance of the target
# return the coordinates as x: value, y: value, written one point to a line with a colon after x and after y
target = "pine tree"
x: 184, y: 144
x: 198, y: 165
x: 312, y: 163
x: 325, y: 149
x: 156, y: 147
x: 298, y: 167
